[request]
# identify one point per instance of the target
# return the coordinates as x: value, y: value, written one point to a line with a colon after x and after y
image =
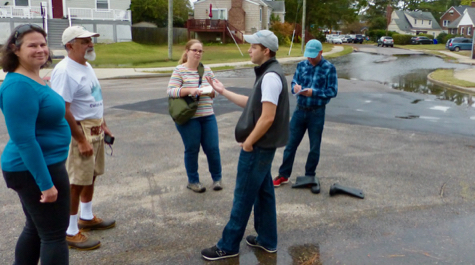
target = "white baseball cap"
x: 264, y: 37
x: 75, y: 32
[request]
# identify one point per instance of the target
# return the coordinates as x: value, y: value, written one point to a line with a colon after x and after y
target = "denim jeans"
x: 253, y: 188
x: 44, y: 234
x: 303, y: 120
x: 201, y: 131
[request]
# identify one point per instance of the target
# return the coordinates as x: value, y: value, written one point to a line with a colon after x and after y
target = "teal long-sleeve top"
x: 39, y: 133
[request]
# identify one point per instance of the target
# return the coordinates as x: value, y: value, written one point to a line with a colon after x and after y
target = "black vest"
x: 278, y: 133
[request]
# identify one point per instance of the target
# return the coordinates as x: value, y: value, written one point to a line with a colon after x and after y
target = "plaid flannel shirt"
x: 322, y: 79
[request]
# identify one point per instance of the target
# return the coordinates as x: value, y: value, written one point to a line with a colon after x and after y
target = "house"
x: 216, y: 20
x: 463, y: 24
x: 413, y: 23
x: 110, y: 18
x: 466, y: 23
x: 451, y: 15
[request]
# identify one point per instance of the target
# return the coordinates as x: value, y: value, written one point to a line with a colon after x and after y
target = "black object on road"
x: 308, y: 182
x: 339, y: 189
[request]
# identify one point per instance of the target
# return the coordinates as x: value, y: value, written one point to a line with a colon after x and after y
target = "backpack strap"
x: 201, y: 71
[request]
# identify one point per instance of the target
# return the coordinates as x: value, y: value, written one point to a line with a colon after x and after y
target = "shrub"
x: 402, y: 39
x: 282, y: 31
x: 441, y: 37
x: 374, y: 35
x: 426, y: 35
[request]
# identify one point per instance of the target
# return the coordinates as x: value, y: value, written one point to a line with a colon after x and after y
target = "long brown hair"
x: 188, y: 45
x: 9, y: 60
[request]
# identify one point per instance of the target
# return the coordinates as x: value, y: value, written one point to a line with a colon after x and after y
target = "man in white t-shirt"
x: 74, y: 79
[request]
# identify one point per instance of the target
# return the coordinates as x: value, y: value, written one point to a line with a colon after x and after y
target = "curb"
x: 450, y: 86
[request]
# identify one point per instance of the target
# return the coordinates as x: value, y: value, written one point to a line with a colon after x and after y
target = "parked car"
x: 358, y: 39
x: 348, y: 39
x: 421, y: 40
x: 459, y: 43
x: 334, y: 40
x: 386, y: 41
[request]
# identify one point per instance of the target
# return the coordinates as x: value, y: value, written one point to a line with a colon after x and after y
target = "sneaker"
x: 95, y: 224
x: 82, y: 242
x: 251, y: 241
x: 196, y: 187
x: 214, y: 253
x: 217, y: 185
x: 280, y: 180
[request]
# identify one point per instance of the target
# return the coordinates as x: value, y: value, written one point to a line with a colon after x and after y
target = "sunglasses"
x: 24, y: 28
x: 196, y: 50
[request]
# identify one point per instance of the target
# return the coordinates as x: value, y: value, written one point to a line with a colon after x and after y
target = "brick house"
x: 232, y: 18
x: 452, y: 14
x: 110, y: 18
x: 466, y: 23
x: 413, y: 23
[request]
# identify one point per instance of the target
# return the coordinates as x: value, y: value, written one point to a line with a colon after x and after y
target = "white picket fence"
x: 98, y: 14
x: 73, y: 13
x: 21, y: 12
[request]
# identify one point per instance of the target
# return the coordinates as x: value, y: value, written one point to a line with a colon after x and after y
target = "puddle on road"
x: 402, y: 72
x: 307, y: 254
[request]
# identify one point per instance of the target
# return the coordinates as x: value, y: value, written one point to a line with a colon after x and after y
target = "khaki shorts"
x: 82, y: 169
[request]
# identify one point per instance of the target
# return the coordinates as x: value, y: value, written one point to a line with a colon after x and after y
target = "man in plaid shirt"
x: 315, y: 82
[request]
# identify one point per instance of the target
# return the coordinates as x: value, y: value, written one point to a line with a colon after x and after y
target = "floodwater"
x: 402, y: 72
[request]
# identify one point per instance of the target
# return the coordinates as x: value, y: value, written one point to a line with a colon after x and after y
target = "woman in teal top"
x: 33, y: 161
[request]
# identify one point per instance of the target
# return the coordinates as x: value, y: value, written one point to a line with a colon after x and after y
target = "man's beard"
x: 90, y: 55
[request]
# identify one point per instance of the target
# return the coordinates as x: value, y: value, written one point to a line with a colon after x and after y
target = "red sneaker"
x: 280, y: 180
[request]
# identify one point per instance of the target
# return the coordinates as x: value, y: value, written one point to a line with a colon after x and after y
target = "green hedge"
x: 402, y: 39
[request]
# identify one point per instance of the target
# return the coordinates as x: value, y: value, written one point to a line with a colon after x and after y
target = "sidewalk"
x: 115, y: 73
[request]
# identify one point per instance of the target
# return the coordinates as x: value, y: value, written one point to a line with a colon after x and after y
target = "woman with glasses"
x: 33, y: 161
x: 202, y: 129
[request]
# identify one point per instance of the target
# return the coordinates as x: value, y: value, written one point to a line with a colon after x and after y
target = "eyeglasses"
x: 196, y: 50
x: 24, y: 28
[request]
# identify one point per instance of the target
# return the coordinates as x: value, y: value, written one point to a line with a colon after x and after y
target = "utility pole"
x: 170, y: 28
x: 303, y: 23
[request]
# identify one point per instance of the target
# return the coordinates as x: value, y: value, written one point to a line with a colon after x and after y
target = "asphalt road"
x: 411, y: 155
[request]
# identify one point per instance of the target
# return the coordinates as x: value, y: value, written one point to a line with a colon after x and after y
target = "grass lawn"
x: 131, y: 54
x: 447, y: 76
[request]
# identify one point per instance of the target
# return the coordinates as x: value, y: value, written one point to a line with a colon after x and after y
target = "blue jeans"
x: 201, y: 131
x: 254, y: 187
x: 303, y: 120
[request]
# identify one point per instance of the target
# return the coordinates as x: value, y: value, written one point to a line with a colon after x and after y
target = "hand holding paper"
x: 206, y: 89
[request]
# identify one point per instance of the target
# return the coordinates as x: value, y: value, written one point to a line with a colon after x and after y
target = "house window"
x: 422, y: 22
x: 462, y: 30
x: 260, y: 14
x: 469, y: 31
x: 21, y: 3
x: 102, y: 4
x: 415, y: 21
x: 446, y: 23
x: 220, y: 13
x: 430, y: 22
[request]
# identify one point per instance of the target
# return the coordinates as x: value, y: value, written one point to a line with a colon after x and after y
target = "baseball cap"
x: 74, y: 32
x: 264, y: 37
x: 312, y: 48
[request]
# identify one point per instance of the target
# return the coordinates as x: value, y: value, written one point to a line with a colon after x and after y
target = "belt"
x: 310, y: 108
x: 95, y: 130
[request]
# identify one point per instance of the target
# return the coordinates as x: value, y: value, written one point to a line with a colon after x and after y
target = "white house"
x: 413, y: 23
x: 110, y: 18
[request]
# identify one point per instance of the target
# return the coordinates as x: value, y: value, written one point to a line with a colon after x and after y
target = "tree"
x: 322, y: 13
x: 156, y: 11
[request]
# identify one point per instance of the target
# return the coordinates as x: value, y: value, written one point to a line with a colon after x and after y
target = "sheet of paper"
x: 206, y: 89
x: 303, y: 90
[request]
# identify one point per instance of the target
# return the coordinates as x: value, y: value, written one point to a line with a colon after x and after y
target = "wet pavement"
x: 417, y: 175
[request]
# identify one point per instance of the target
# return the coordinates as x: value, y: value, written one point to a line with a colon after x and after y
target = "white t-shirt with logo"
x: 78, y: 85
